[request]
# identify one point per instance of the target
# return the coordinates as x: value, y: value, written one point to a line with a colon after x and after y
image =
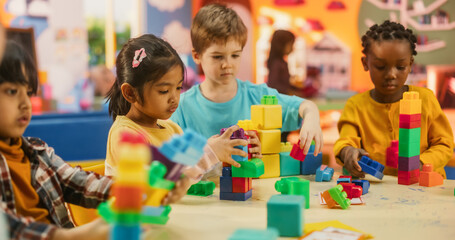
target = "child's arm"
x: 97, y: 229
x: 350, y: 157
x: 311, y: 127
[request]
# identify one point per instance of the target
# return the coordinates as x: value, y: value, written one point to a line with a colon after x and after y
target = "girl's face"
x: 389, y: 63
x: 160, y: 99
x: 15, y: 109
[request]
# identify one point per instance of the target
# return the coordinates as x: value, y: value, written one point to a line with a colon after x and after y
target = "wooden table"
x: 391, y: 211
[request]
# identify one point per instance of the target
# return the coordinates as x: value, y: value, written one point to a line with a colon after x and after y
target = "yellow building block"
x: 266, y: 116
x: 410, y: 104
x: 270, y: 141
x: 286, y: 147
x: 131, y: 169
x: 155, y: 196
x: 247, y: 125
x: 271, y: 165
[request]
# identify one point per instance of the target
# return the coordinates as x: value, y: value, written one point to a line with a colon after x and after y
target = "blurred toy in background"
x: 191, y: 79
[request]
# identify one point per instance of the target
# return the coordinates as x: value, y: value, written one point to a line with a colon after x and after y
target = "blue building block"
x: 239, y: 158
x: 343, y: 180
x: 450, y: 172
x: 236, y: 196
x: 225, y: 184
x: 371, y: 167
x: 324, y: 174
x: 226, y: 172
x: 254, y: 234
x: 311, y: 164
x: 121, y: 232
x: 285, y: 213
x: 288, y: 165
x: 365, y: 184
x: 180, y: 150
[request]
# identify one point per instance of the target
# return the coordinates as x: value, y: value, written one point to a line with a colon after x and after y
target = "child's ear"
x: 364, y: 63
x: 128, y: 92
x: 196, y: 56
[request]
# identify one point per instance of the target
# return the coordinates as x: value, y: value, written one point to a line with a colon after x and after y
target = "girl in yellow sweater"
x: 370, y: 120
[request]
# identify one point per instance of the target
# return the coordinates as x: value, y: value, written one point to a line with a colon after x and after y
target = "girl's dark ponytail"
x: 117, y: 103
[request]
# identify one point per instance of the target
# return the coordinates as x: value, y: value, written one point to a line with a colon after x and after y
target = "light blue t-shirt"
x: 208, y: 118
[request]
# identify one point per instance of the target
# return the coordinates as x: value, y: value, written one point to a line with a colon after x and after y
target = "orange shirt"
x: 26, y: 198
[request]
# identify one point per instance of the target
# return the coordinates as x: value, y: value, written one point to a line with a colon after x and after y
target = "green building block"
x: 112, y: 216
x: 409, y: 135
x: 156, y: 176
x: 294, y: 186
x: 286, y: 214
x: 269, y: 100
x: 161, y: 219
x: 340, y: 196
x: 288, y: 165
x: 408, y: 150
x: 202, y: 188
x: 253, y: 168
x: 254, y: 234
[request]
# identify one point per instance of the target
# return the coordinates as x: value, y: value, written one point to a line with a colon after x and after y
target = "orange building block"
x: 127, y: 198
x: 328, y: 199
x: 428, y: 178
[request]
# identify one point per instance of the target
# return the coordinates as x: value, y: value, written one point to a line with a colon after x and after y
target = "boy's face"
x: 389, y: 63
x: 220, y: 62
x: 15, y: 109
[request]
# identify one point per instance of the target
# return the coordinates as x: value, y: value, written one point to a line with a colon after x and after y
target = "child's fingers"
x: 232, y: 162
x: 318, y: 145
x: 238, y: 142
x: 230, y: 130
x: 236, y: 151
x: 256, y: 155
x: 251, y: 134
x: 254, y: 141
x: 357, y: 166
x: 307, y: 144
x: 254, y: 150
x: 303, y: 139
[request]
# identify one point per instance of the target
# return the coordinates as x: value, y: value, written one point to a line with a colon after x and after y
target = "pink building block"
x: 392, y: 154
x: 297, y: 152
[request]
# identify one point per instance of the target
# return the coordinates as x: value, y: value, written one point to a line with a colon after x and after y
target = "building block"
x: 352, y: 190
x: 253, y: 168
x: 408, y: 136
x: 286, y: 213
x: 408, y: 177
x: 173, y: 170
x: 254, y: 234
x: 288, y: 165
x: 247, y: 125
x: 285, y: 147
x: 225, y: 184
x: 409, y: 163
x: 156, y: 179
x: 324, y: 174
x: 294, y: 186
x: 202, y: 188
x: 410, y: 104
x: 239, y: 134
x: 131, y: 169
x: 450, y: 172
x: 311, y: 163
x: 155, y: 195
x: 410, y: 117
x: 328, y: 199
x: 345, y: 179
x: 392, y: 154
x: 227, y: 172
x: 239, y: 158
x: 365, y: 184
x: 428, y: 178
x: 297, y: 152
x: 409, y: 150
x: 346, y: 172
x: 340, y: 196
x: 128, y: 198
x: 250, y: 183
x: 186, y: 149
x: 410, y: 125
x: 271, y: 165
x: 371, y: 167
x: 269, y: 100
x: 268, y: 115
x: 121, y: 232
x: 270, y: 141
x: 240, y: 185
x: 236, y: 196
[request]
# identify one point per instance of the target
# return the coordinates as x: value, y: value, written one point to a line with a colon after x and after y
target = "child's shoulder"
x: 34, y: 143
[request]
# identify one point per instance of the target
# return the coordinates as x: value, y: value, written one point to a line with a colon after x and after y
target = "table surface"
x: 391, y: 211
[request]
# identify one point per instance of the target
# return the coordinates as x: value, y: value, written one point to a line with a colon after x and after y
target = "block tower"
x: 409, y: 139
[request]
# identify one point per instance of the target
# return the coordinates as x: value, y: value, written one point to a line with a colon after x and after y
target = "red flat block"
x: 297, y: 153
x: 408, y: 181
x: 409, y: 125
x: 240, y: 185
x: 409, y: 174
x: 352, y: 190
x: 410, y: 117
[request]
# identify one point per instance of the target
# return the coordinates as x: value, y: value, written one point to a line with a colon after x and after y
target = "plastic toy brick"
x: 174, y: 170
x: 240, y: 185
x: 155, y: 195
x: 250, y: 183
x: 410, y: 104
x: 294, y: 186
x: 297, y: 152
x: 131, y: 166
x: 226, y: 172
x: 202, y: 188
x: 266, y: 116
x: 269, y: 100
x: 156, y: 173
x: 365, y: 184
x: 410, y: 125
x: 311, y: 163
x: 409, y: 150
x: 328, y: 199
x: 155, y: 215
x: 239, y: 158
x: 236, y: 196
x: 127, y: 198
x: 346, y: 172
x: 392, y: 154
x: 253, y: 168
x: 125, y: 232
x: 186, y: 149
x: 409, y: 135
x: 340, y: 196
x: 324, y: 174
x: 286, y: 214
x: 285, y: 147
x: 371, y: 167
x: 408, y: 163
x: 225, y: 184
x: 270, y: 141
x: 271, y: 165
x: 122, y: 217
x: 247, y: 125
x: 410, y: 117
x: 408, y: 177
x: 352, y: 190
x: 239, y: 134
x: 428, y: 178
x: 344, y: 179
x: 254, y: 234
x: 288, y: 165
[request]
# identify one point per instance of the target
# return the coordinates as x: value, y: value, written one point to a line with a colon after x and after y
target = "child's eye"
x: 235, y: 55
x: 164, y: 92
x: 218, y: 57
x: 30, y: 93
x: 380, y: 67
x: 11, y: 91
x: 179, y: 88
x: 401, y: 68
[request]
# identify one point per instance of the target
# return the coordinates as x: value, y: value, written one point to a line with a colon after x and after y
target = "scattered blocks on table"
x: 339, y: 196
x: 236, y: 196
x: 254, y: 234
x: 202, y: 188
x: 429, y: 178
x: 271, y: 165
x: 311, y: 163
x: 270, y: 141
x: 294, y: 186
x: 286, y: 214
x: 328, y: 199
x: 344, y: 179
x: 253, y: 168
x: 324, y: 174
x: 371, y: 167
x: 352, y: 190
x: 288, y: 165
x: 365, y: 184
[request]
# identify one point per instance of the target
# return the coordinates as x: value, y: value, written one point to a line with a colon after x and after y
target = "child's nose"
x: 391, y: 74
x: 25, y: 102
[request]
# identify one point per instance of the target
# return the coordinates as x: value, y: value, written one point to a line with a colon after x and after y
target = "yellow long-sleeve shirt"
x: 370, y: 125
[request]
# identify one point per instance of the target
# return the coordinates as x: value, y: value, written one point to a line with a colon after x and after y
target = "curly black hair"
x: 388, y: 31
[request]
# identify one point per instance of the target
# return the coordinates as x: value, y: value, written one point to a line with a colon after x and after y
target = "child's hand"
x: 223, y: 146
x: 311, y: 130
x: 179, y: 191
x: 255, y: 149
x: 350, y: 156
x: 97, y: 229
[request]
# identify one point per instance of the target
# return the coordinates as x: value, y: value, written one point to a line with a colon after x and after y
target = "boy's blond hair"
x: 216, y: 23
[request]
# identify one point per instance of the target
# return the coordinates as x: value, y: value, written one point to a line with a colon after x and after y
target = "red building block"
x: 250, y: 183
x: 352, y: 190
x: 428, y: 178
x: 410, y: 117
x: 240, y: 185
x: 297, y: 152
x: 408, y: 178
x: 409, y: 125
x: 127, y: 197
x: 392, y: 154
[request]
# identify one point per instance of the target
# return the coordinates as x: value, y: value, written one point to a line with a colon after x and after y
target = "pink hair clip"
x: 138, y: 56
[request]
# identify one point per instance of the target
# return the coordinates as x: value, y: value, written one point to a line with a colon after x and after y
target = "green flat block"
x: 294, y: 186
x: 408, y: 150
x: 408, y: 135
x: 253, y: 168
x: 202, y: 188
x: 340, y: 196
x: 269, y: 100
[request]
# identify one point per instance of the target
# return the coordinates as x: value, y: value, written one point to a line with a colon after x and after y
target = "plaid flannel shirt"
x: 56, y: 182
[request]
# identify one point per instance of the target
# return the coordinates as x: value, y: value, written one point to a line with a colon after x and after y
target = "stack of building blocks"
x: 371, y: 167
x: 324, y: 174
x: 428, y: 178
x: 392, y: 154
x: 254, y: 234
x: 288, y: 165
x: 294, y: 186
x: 285, y: 213
x: 409, y: 139
x: 344, y: 179
x: 336, y: 195
x: 202, y: 188
x: 352, y: 190
x: 365, y: 184
x: 267, y: 117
